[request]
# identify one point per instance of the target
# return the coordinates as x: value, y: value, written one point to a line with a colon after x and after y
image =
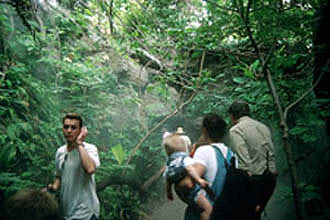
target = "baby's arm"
x: 193, y: 173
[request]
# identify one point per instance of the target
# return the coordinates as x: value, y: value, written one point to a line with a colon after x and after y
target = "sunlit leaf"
x: 119, y: 153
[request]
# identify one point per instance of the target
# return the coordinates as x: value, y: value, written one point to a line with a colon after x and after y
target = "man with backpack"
x: 251, y: 140
x: 211, y: 159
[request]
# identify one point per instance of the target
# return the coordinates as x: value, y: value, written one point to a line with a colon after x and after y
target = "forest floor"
x: 169, y: 210
x: 277, y: 209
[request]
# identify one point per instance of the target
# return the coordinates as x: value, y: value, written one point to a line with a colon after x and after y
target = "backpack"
x: 234, y: 201
x: 175, y: 167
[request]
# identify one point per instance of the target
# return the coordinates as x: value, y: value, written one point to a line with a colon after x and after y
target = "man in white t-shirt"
x: 74, y: 175
x: 210, y: 159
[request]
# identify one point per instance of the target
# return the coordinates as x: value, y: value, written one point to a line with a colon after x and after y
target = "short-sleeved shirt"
x: 78, y: 189
x: 207, y: 157
x: 252, y: 142
x: 215, y: 172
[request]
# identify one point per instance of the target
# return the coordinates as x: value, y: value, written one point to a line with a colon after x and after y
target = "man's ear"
x: 205, y: 133
x: 233, y: 119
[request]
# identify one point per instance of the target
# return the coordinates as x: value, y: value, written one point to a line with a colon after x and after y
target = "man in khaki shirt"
x: 252, y: 142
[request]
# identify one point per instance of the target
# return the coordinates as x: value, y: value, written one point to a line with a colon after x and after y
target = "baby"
x: 182, y: 174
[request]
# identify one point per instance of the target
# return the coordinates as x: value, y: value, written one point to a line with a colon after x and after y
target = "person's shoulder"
x: 61, y: 149
x: 222, y: 146
x: 242, y: 123
x: 234, y: 127
x: 260, y: 124
x: 225, y: 148
x: 203, y: 148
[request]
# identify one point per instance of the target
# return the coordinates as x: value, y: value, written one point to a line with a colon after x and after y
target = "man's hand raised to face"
x: 81, y: 137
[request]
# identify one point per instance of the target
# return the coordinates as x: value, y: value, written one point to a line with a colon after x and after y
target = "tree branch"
x: 269, y: 80
x: 305, y: 93
x: 179, y: 108
x: 146, y: 185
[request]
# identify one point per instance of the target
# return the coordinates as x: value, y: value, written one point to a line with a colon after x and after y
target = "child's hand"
x: 170, y: 196
x: 258, y: 208
x: 203, y: 183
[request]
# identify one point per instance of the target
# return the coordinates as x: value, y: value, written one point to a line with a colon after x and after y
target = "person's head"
x: 174, y: 143
x: 31, y: 204
x: 239, y: 109
x: 214, y: 127
x: 72, y: 124
x: 180, y: 131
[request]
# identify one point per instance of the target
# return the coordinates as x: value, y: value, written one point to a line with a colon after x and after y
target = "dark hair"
x: 31, y: 204
x: 215, y: 126
x: 73, y: 115
x: 239, y: 109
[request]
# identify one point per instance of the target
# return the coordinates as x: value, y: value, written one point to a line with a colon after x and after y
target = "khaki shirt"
x: 252, y: 142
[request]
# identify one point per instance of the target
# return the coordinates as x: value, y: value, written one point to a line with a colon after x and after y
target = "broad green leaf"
x: 119, y: 153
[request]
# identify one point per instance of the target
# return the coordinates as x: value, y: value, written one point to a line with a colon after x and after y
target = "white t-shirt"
x: 78, y: 189
x: 188, y: 161
x: 206, y: 155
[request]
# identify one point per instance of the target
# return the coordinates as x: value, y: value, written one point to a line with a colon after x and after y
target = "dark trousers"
x: 264, y: 186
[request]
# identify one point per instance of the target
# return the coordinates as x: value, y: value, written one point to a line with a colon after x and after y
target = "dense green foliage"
x: 80, y: 56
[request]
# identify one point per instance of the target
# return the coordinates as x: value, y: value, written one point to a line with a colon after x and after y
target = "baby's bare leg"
x: 206, y: 207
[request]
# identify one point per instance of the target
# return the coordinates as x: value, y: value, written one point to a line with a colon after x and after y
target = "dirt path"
x: 170, y: 210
